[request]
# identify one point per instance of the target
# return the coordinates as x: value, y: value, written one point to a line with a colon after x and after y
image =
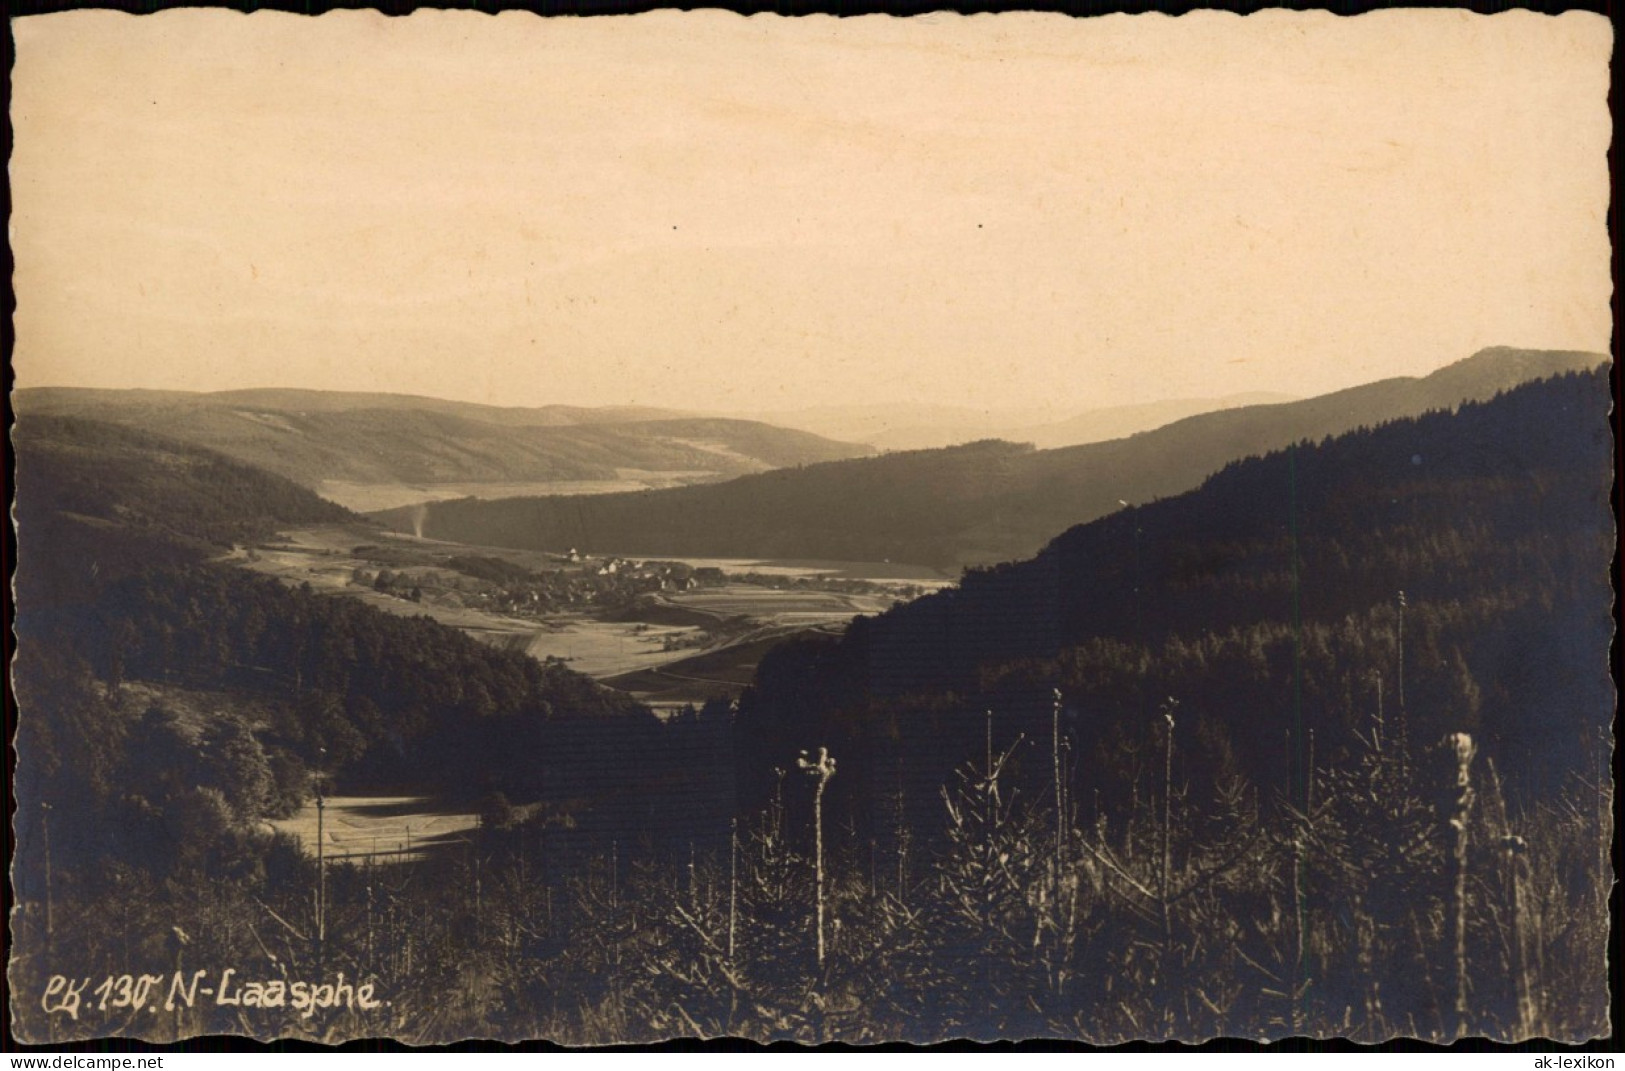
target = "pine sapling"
x: 1462, y: 745
x: 820, y: 771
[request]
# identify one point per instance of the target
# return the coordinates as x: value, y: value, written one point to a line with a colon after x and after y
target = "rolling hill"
x: 321, y: 437
x: 96, y: 501
x: 966, y: 505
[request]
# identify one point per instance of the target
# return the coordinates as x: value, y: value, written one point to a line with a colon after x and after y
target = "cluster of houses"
x: 651, y: 576
x: 592, y: 582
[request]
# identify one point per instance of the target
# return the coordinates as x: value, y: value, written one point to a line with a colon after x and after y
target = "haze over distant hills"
x: 927, y: 427
x: 296, y: 400
x: 355, y: 445
x: 974, y: 504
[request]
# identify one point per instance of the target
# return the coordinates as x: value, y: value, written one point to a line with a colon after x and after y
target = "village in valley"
x: 618, y: 619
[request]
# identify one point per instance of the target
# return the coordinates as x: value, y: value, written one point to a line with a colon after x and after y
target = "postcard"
x: 816, y: 529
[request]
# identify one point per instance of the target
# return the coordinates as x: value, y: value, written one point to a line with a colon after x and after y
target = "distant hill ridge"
x: 298, y: 400
x: 973, y: 504
x: 313, y: 437
x: 929, y: 427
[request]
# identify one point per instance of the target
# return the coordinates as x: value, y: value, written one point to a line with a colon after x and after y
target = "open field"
x: 719, y: 673
x: 323, y: 559
x: 703, y: 642
x: 804, y: 607
x: 383, y: 829
x: 369, y: 497
x: 591, y: 646
x: 608, y: 648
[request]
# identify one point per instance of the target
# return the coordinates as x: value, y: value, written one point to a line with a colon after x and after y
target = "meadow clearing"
x: 380, y: 829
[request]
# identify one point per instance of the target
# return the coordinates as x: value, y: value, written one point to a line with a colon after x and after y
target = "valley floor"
x: 668, y: 648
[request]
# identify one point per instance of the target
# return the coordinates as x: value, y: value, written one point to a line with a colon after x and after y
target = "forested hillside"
x: 97, y: 501
x: 907, y: 507
x: 980, y: 503
x: 1311, y: 748
x: 1268, y: 599
x: 149, y: 482
x: 127, y: 631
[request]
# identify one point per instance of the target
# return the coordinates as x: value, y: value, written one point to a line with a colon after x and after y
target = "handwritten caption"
x: 180, y: 989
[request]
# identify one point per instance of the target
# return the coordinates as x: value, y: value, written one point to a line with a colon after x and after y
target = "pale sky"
x: 706, y: 211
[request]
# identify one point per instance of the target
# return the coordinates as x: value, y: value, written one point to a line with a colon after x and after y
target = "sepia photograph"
x: 826, y: 530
